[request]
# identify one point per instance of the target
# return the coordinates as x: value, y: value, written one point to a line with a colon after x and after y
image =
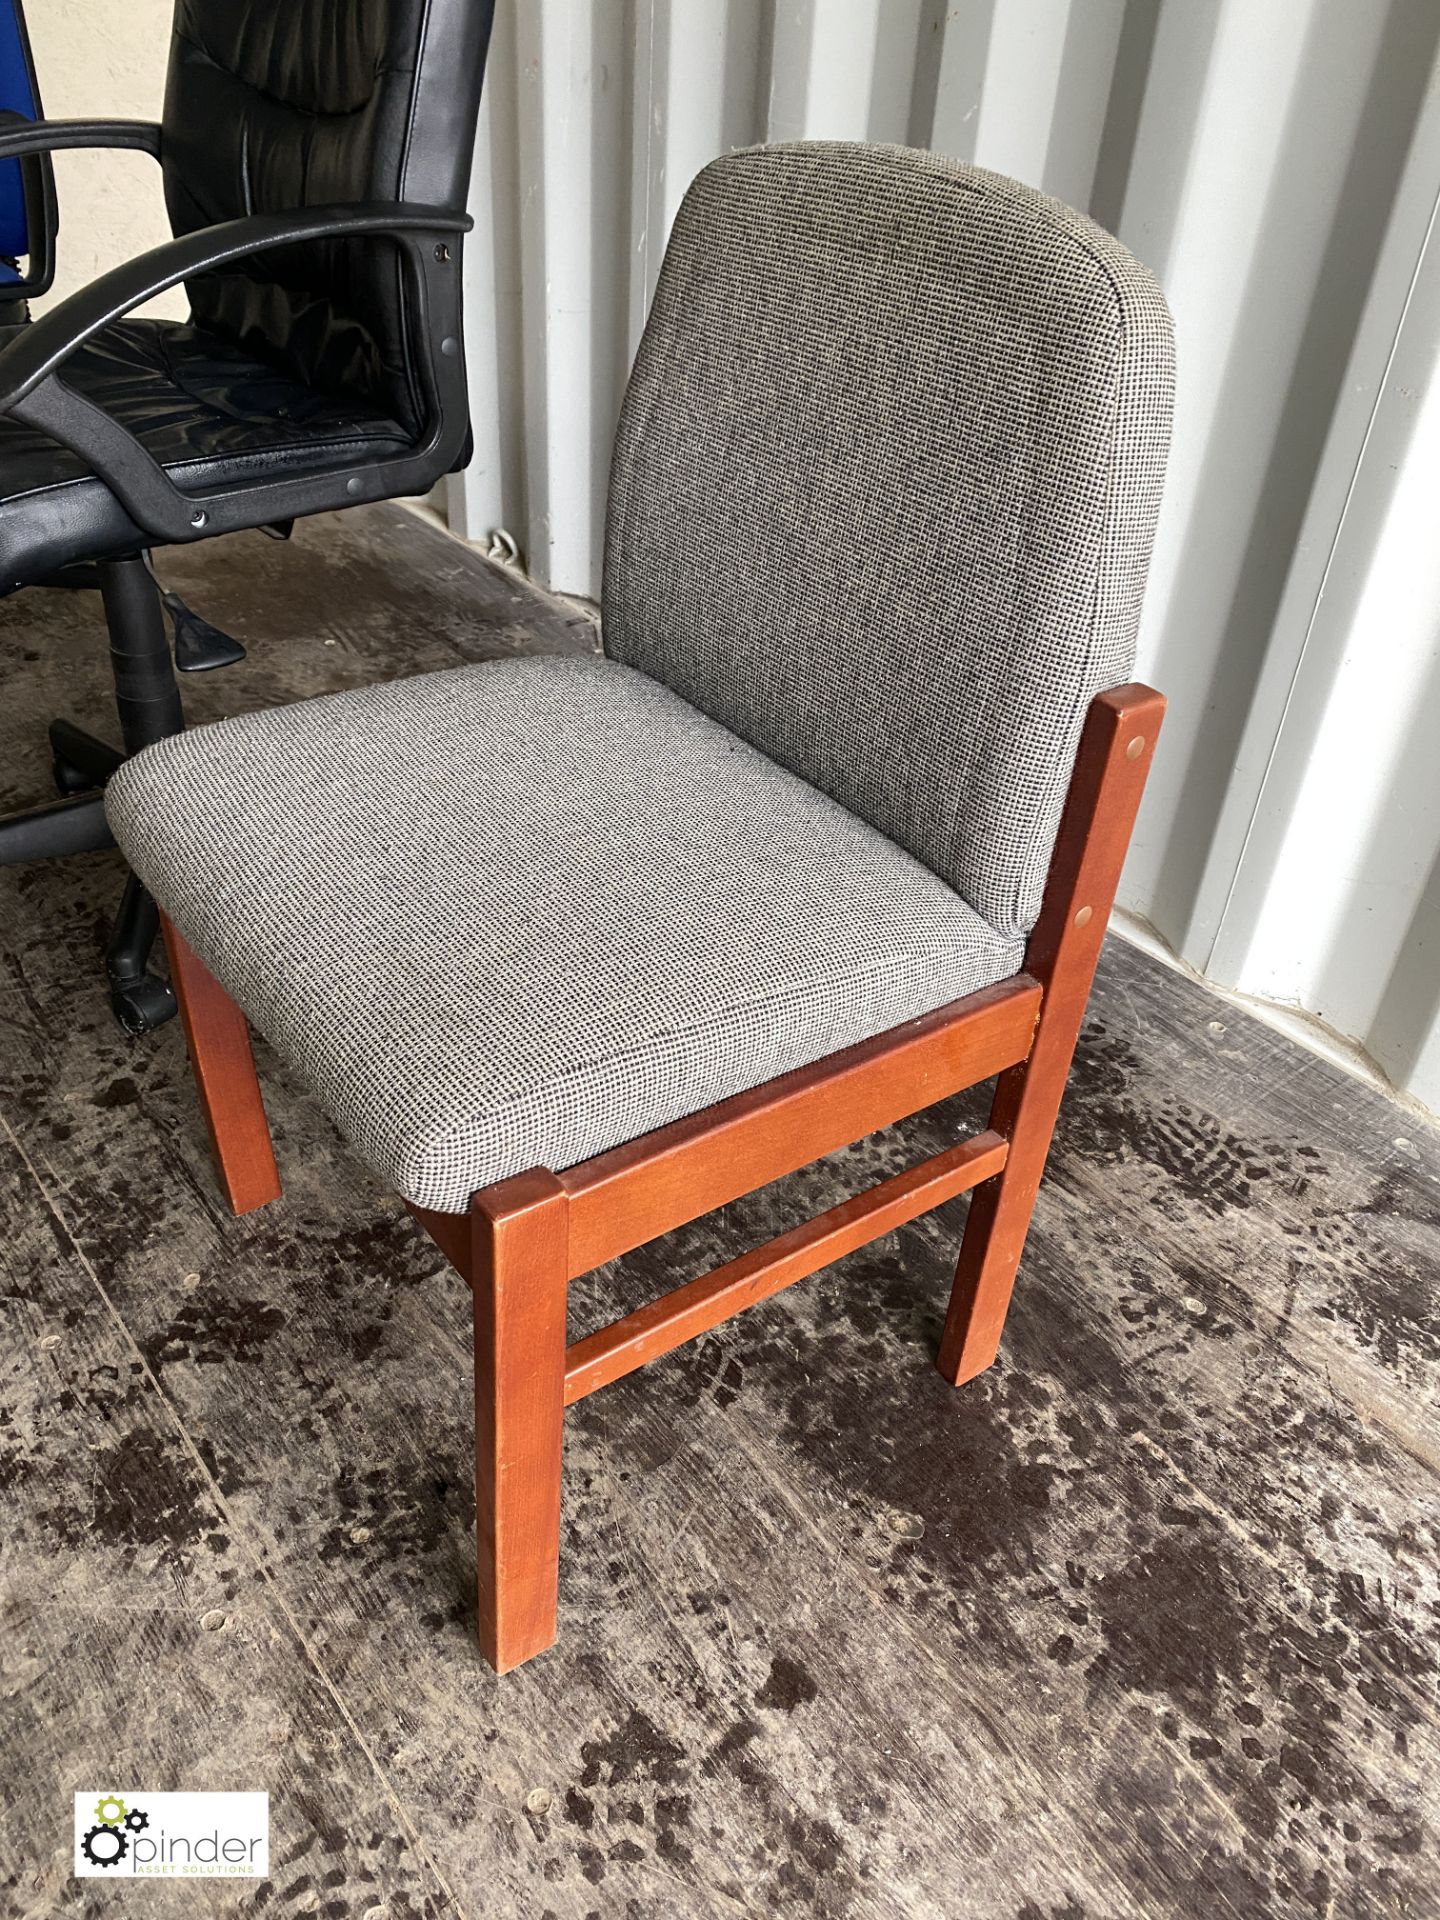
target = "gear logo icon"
x: 110, y: 1840
x: 105, y: 1846
x: 133, y: 1833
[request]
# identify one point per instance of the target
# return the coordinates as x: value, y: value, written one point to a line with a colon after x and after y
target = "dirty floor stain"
x: 1139, y: 1625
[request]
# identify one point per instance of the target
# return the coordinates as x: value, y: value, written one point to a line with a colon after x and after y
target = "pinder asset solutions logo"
x: 172, y: 1835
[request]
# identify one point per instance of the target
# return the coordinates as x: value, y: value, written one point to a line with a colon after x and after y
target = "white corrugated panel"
x: 1277, y: 165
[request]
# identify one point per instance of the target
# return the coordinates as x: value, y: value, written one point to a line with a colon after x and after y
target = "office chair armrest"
x: 33, y: 141
x: 20, y: 136
x: 31, y: 389
x: 48, y: 341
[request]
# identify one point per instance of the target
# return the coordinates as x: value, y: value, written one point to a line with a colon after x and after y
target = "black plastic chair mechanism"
x: 316, y: 161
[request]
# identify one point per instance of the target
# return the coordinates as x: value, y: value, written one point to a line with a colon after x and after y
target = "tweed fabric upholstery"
x: 885, y: 486
x: 513, y: 914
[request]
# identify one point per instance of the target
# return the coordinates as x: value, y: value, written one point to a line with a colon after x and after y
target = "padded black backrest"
x: 274, y: 104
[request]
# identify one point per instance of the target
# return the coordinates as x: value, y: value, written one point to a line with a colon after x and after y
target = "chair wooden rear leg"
x: 1110, y: 768
x: 519, y: 1280
x: 1027, y: 1101
x: 219, y: 1041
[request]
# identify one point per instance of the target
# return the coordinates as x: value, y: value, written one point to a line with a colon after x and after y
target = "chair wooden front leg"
x: 519, y: 1281
x: 1115, y: 752
x: 224, y: 1066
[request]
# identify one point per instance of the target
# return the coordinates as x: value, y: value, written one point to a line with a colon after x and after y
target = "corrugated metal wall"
x: 1276, y: 162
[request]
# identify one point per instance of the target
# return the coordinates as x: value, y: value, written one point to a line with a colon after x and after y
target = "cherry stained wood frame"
x: 526, y: 1238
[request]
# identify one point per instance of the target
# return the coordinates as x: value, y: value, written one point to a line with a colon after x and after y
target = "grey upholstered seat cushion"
x: 514, y: 914
x: 885, y: 485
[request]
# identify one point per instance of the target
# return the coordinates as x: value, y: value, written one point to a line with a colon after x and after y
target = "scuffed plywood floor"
x: 1140, y: 1624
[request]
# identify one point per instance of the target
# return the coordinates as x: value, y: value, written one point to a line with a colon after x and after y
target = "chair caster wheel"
x: 144, y: 1004
x: 71, y: 780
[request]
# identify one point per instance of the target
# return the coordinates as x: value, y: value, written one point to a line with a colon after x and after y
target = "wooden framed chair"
x: 575, y: 951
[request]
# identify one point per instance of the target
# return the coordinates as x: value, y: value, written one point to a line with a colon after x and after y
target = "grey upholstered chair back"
x: 885, y: 487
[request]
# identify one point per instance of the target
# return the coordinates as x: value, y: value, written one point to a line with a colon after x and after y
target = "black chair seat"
x: 201, y: 408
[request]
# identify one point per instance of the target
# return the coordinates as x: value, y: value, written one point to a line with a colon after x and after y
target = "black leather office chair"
x: 316, y: 159
x: 29, y: 222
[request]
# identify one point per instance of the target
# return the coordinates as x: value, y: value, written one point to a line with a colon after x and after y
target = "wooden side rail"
x: 693, y: 1309
x: 646, y: 1188
x: 633, y: 1194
